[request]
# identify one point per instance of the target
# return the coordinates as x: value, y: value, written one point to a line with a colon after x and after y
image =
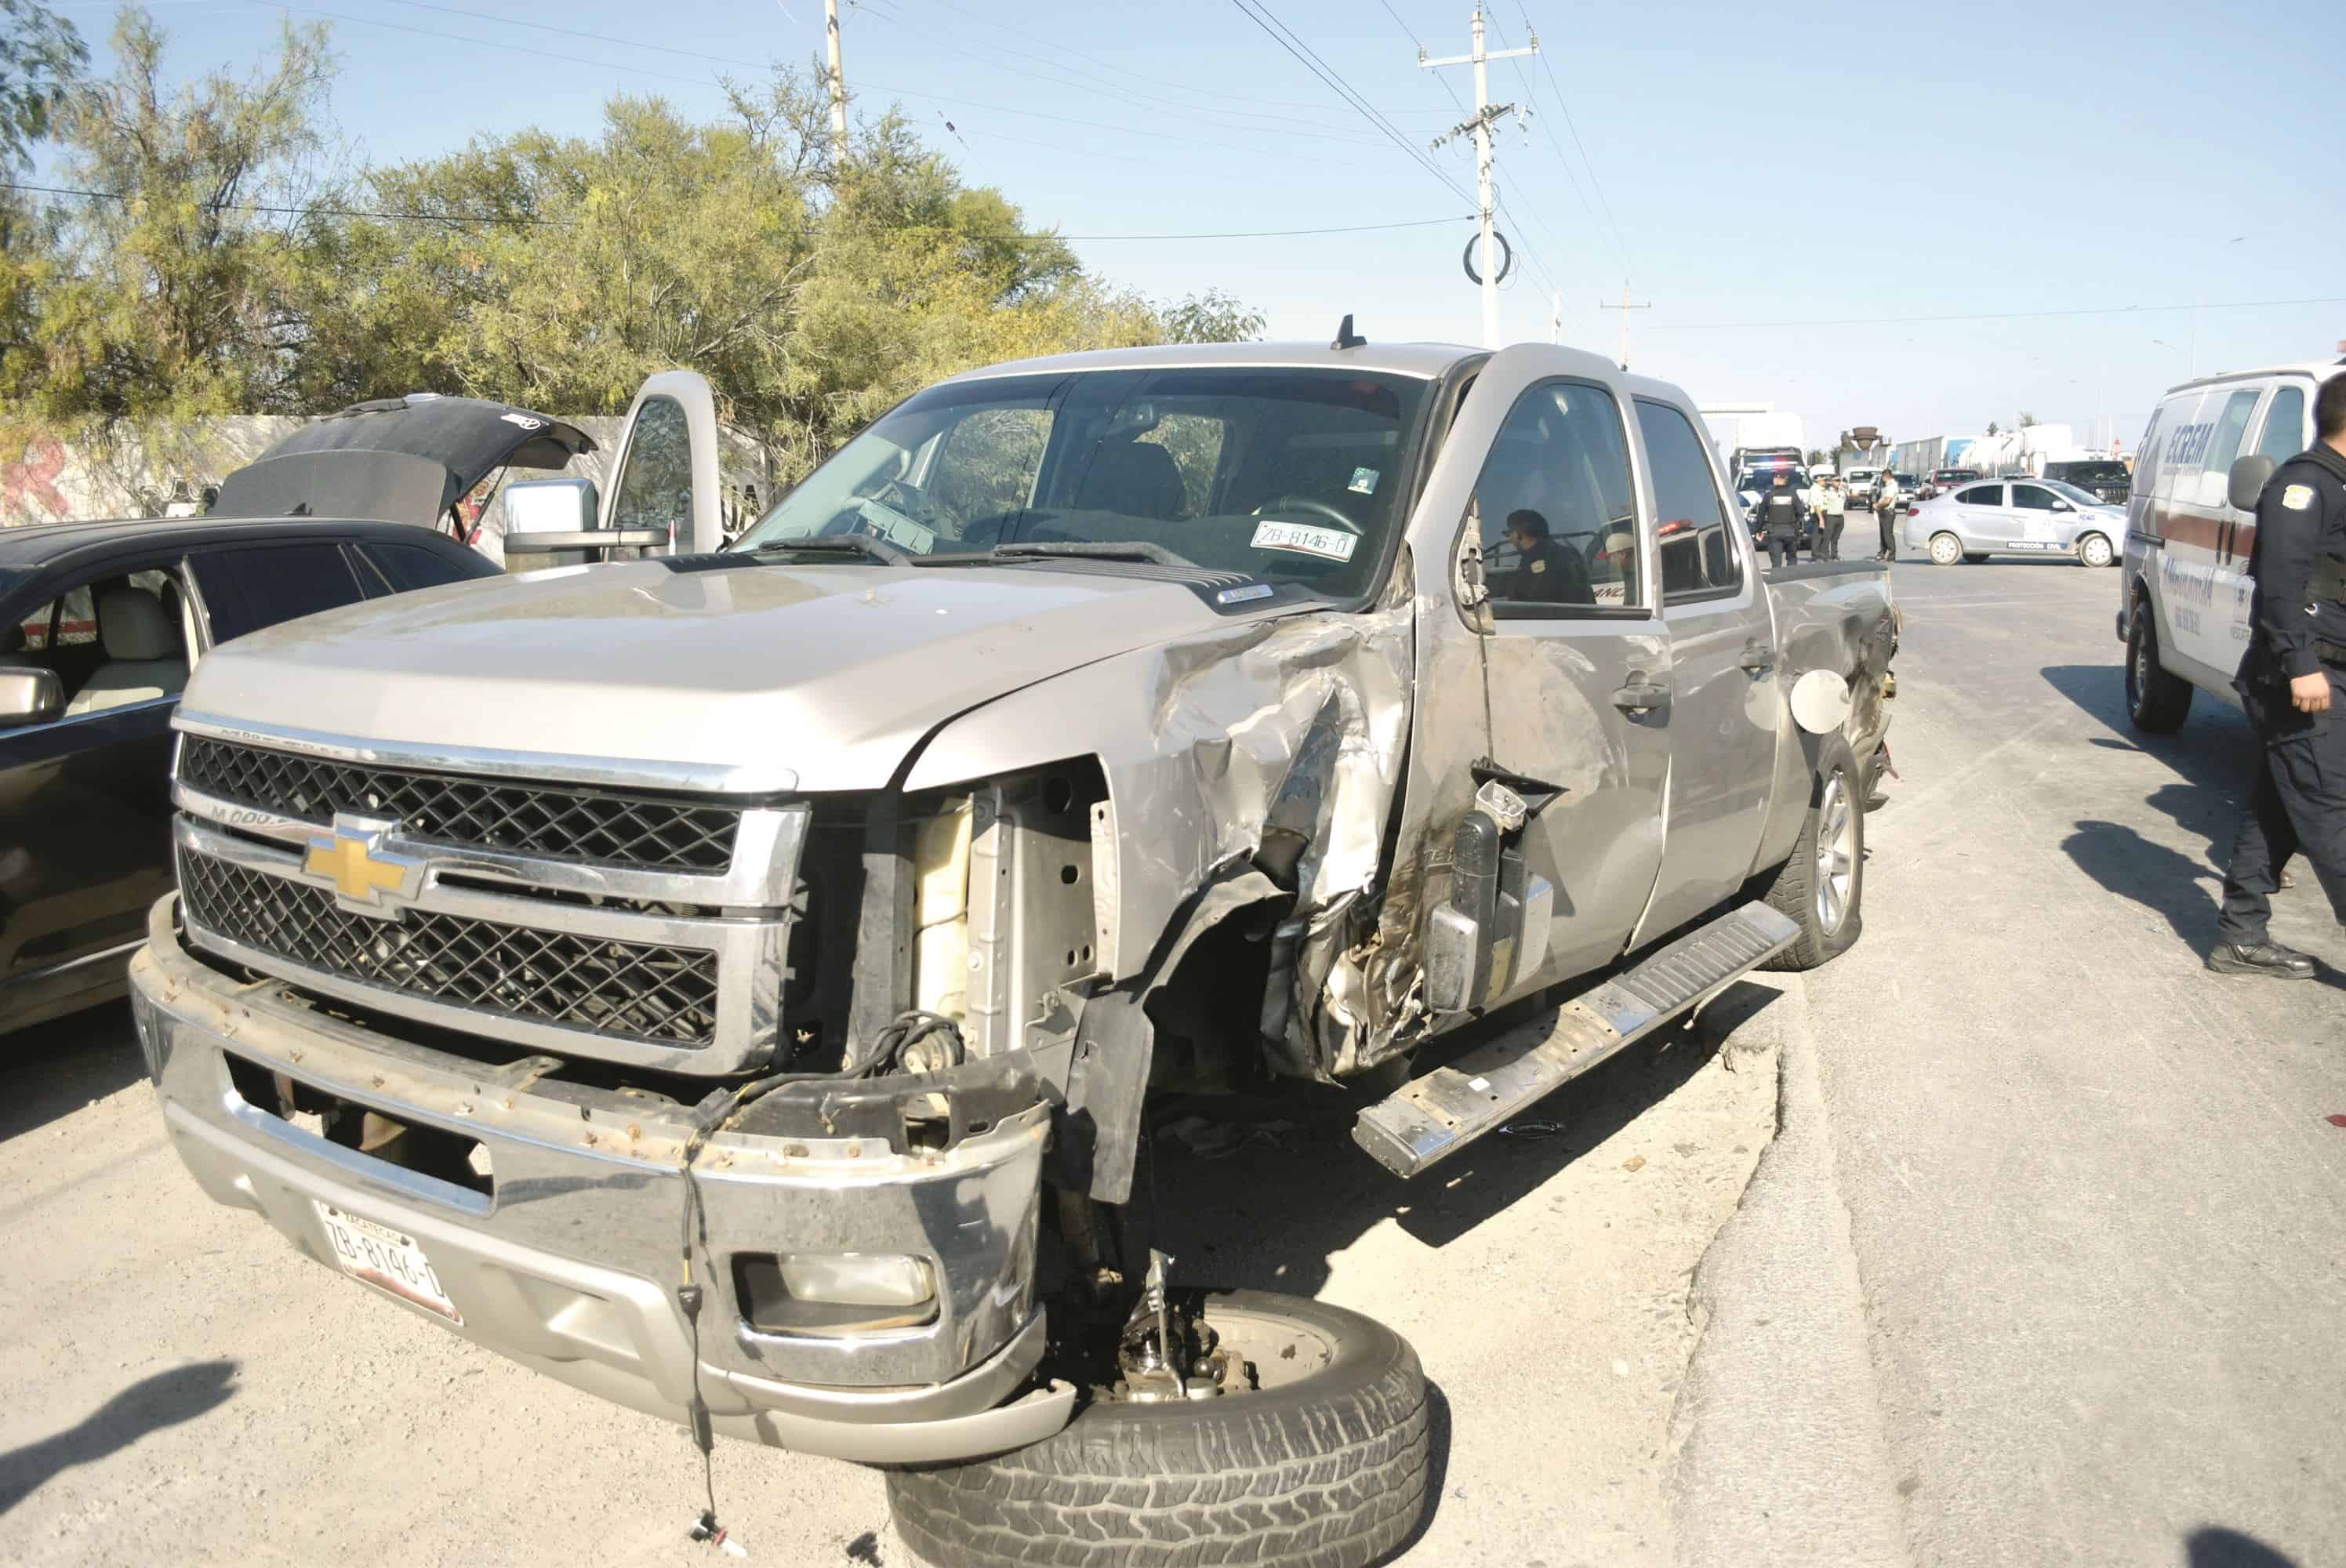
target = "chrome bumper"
x: 567, y: 1266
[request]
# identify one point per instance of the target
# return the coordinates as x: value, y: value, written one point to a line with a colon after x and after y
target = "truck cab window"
x: 655, y: 488
x: 1699, y: 557
x: 1558, y: 525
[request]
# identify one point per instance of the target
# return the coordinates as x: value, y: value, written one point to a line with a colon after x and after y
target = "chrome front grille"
x: 654, y: 993
x: 562, y: 905
x: 604, y: 827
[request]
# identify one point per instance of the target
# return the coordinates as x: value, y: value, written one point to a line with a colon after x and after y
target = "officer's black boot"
x: 2266, y: 958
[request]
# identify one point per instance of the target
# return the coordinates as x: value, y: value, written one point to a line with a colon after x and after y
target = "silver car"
x: 2015, y: 516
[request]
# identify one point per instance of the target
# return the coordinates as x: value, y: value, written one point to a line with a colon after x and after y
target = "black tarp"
x: 381, y: 459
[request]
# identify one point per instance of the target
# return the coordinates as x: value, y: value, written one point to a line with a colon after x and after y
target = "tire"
x: 1945, y: 549
x: 2156, y: 701
x: 1327, y: 1470
x: 1830, y: 923
x: 2093, y: 550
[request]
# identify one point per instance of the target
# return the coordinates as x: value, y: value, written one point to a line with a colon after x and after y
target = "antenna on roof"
x: 1346, y: 338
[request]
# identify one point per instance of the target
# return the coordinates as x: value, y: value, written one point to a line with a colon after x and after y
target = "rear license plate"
x: 386, y: 1258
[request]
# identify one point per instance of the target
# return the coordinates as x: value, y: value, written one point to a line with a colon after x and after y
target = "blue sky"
x: 1839, y: 163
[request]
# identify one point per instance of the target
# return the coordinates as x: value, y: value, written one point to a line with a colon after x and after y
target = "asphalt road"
x: 179, y: 1385
x: 2095, y: 1200
x: 2047, y: 1268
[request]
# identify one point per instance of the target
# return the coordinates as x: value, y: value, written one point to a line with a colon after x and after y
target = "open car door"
x: 665, y: 476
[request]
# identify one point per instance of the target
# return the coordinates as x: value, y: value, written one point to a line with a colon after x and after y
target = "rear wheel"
x: 2156, y: 701
x: 1945, y: 549
x: 1315, y: 1457
x: 1822, y: 887
x: 2093, y: 550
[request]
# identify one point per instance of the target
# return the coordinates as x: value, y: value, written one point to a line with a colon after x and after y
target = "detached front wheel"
x: 1315, y: 1456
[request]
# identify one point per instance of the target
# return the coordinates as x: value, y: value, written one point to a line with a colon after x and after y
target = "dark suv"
x: 99, y: 623
x: 2108, y: 479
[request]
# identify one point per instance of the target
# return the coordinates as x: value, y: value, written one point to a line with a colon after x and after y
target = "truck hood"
x: 747, y: 678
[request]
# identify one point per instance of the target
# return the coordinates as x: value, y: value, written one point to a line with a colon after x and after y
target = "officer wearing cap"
x: 2292, y: 682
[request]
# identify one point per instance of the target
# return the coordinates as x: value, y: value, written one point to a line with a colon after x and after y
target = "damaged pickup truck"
x: 735, y: 985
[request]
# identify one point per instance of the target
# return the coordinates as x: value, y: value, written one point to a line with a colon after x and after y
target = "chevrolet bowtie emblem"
x: 367, y: 879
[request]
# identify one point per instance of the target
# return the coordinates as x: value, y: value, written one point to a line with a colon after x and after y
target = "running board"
x: 1435, y: 1116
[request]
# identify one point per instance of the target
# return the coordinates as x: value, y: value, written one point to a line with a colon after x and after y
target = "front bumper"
x: 566, y: 1266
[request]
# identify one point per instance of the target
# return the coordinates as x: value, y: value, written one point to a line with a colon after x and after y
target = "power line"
x: 1548, y: 130
x: 1310, y: 62
x: 568, y: 222
x: 309, y: 211
x: 1594, y: 182
x: 1997, y: 315
x: 1067, y: 76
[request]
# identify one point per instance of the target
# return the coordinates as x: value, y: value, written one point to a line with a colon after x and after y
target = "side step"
x: 1435, y: 1116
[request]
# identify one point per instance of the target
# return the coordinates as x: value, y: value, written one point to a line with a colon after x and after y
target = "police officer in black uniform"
x: 2292, y: 681
x: 1781, y: 514
x: 1547, y: 572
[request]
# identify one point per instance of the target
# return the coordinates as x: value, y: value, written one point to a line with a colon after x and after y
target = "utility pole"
x: 1625, y: 307
x: 1484, y: 113
x: 838, y: 85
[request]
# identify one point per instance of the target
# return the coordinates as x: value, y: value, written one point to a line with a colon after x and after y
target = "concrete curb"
x: 1777, y: 1439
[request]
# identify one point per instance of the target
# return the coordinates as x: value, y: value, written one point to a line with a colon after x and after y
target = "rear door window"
x: 248, y: 587
x: 2284, y: 432
x: 1700, y: 555
x: 1983, y: 495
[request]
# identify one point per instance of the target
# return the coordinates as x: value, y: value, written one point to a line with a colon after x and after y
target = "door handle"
x: 1758, y: 658
x: 1642, y: 697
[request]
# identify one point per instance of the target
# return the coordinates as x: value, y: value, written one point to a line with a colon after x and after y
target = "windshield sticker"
x: 1364, y: 482
x: 1329, y: 543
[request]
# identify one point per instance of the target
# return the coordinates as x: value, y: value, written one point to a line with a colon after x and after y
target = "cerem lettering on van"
x: 2184, y: 597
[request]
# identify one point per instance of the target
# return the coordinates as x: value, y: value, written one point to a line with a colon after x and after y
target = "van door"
x: 2204, y: 583
x: 667, y: 465
x: 1576, y: 674
x: 1723, y: 701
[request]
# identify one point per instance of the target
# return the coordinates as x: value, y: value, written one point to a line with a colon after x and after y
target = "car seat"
x: 1135, y: 478
x: 144, y: 657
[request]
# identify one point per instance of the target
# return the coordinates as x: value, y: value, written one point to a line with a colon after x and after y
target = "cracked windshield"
x: 1288, y: 476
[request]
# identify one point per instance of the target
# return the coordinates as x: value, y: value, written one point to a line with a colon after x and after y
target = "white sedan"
x: 2016, y: 517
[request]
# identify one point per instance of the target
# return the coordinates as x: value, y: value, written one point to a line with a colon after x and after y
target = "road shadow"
x: 1232, y: 1213
x: 2212, y: 755
x: 148, y: 1405
x: 2213, y: 1546
x: 52, y: 1069
x: 2166, y: 882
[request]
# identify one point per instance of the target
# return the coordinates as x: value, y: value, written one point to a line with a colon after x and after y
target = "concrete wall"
x: 57, y: 481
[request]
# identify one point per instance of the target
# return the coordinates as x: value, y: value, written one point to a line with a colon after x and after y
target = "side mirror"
x: 29, y: 697
x: 2250, y: 475
x: 550, y: 506
x: 2062, y: 506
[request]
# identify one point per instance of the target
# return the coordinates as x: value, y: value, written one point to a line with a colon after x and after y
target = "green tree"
x: 2026, y: 419
x: 167, y: 297
x: 40, y: 55
x: 1212, y: 317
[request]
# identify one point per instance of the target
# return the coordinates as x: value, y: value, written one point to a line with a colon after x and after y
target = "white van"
x: 2183, y: 599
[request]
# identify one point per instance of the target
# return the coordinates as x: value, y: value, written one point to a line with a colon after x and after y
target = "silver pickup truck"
x: 737, y: 983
